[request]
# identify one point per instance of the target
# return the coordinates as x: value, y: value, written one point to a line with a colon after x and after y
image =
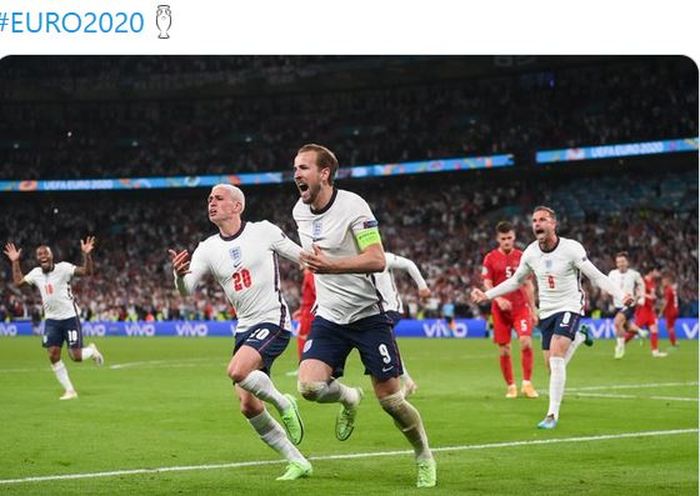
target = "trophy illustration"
x: 163, y: 21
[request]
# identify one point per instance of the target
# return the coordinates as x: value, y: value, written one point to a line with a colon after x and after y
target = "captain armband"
x: 368, y: 237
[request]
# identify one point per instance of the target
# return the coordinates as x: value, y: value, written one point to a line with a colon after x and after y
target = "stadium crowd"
x: 186, y: 131
x: 443, y: 222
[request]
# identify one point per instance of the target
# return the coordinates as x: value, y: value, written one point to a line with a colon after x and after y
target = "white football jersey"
x: 387, y: 285
x: 558, y: 276
x: 340, y: 298
x: 629, y: 282
x: 56, y: 295
x: 246, y: 267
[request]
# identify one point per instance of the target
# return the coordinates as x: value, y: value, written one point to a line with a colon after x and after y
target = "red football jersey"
x: 308, y: 292
x: 671, y: 297
x: 498, y: 267
x: 649, y: 289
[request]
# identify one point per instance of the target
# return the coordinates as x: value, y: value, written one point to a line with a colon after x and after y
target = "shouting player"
x: 340, y: 231
x: 242, y: 257
x: 557, y: 263
x: 512, y: 311
x: 60, y: 309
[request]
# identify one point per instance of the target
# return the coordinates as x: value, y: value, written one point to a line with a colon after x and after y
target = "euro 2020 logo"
x: 163, y: 21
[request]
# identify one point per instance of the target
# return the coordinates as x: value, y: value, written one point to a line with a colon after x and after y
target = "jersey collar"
x: 233, y: 236
x: 328, y: 205
x: 553, y: 247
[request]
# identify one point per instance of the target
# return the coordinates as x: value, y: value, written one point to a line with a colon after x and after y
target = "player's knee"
x: 395, y: 405
x: 311, y: 390
x: 236, y: 374
x: 505, y: 350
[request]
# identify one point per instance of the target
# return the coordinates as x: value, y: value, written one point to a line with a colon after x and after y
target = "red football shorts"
x: 645, y: 317
x: 518, y: 318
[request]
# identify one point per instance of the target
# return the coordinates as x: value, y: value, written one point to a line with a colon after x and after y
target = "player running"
x: 670, y: 307
x: 645, y: 315
x: 394, y: 305
x: 630, y: 282
x: 61, y: 313
x: 242, y: 257
x: 512, y: 311
x: 557, y: 263
x: 340, y: 229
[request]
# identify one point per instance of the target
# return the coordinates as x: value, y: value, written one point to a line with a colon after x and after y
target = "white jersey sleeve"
x: 362, y: 217
x: 31, y: 276
x: 394, y: 262
x: 199, y: 267
x: 281, y: 244
x: 599, y: 279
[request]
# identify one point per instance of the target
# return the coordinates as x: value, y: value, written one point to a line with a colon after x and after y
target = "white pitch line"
x: 151, y: 364
x: 174, y: 363
x: 634, y: 397
x: 631, y: 386
x: 468, y: 447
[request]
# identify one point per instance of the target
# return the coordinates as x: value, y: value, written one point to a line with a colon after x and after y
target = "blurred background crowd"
x: 93, y: 117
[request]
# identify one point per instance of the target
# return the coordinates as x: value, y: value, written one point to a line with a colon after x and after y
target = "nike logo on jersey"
x: 387, y: 369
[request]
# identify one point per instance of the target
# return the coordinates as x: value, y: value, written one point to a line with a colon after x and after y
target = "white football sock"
x: 578, y: 339
x: 409, y: 421
x: 87, y: 352
x: 61, y: 372
x: 260, y: 385
x: 557, y: 381
x: 272, y: 434
x: 332, y: 392
x: 621, y: 342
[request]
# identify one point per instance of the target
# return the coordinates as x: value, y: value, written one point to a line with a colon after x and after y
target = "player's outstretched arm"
x: 408, y: 265
x: 511, y: 284
x: 603, y: 282
x: 88, y: 267
x: 284, y: 246
x: 370, y: 260
x: 14, y: 254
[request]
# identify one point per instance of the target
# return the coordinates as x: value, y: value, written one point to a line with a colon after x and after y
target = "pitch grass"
x: 169, y: 403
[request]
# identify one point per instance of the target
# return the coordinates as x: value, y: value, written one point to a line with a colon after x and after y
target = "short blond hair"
x: 235, y: 191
